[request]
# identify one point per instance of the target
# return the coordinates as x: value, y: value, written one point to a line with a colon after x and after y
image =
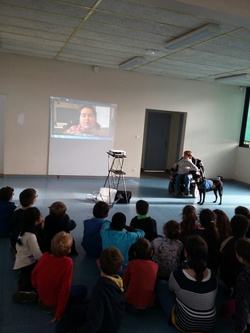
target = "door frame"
x: 176, y: 136
x: 2, y: 104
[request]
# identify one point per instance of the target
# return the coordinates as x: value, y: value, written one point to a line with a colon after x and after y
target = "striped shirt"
x: 195, y: 301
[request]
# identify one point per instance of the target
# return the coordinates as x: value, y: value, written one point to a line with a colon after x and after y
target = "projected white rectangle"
x: 81, y: 133
x: 81, y: 119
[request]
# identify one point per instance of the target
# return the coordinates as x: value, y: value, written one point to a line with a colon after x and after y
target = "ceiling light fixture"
x: 233, y: 78
x: 193, y: 37
x: 152, y: 52
x: 134, y: 62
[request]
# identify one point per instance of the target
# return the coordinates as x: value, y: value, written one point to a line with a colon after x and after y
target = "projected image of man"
x: 87, y: 123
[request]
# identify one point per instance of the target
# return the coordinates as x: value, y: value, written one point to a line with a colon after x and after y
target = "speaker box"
x: 123, y: 197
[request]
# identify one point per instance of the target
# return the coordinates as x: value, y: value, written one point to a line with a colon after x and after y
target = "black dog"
x: 206, y: 185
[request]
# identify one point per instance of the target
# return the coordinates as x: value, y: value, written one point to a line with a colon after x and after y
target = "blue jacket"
x: 206, y: 184
x: 120, y: 239
x: 92, y: 241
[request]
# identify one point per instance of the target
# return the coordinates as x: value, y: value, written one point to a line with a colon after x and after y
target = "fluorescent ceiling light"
x: 233, y: 78
x: 152, y: 52
x: 193, y: 37
x: 131, y: 63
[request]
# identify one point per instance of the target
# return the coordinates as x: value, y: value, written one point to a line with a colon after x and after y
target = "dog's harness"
x: 207, y: 184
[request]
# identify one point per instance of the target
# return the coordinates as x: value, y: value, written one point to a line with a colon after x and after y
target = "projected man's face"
x: 87, y: 119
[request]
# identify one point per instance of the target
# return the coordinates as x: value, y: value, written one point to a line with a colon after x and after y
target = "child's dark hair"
x: 61, y: 244
x: 27, y: 197
x: 239, y: 225
x: 143, y: 249
x: 6, y: 193
x: 242, y: 248
x: 101, y: 209
x: 197, y: 253
x: 110, y: 260
x: 189, y: 218
x: 142, y: 207
x: 242, y: 210
x: 172, y: 229
x: 29, y: 217
x: 222, y: 223
x: 57, y: 209
x: 118, y: 221
x: 208, y: 222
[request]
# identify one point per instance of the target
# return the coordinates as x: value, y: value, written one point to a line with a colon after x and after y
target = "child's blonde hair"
x: 57, y: 209
x: 61, y: 244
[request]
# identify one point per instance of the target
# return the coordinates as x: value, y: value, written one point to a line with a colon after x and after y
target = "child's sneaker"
x: 25, y: 297
x: 47, y: 309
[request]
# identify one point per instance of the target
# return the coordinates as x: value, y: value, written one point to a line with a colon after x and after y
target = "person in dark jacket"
x: 143, y: 221
x: 104, y: 312
x: 57, y: 221
x: 27, y: 199
x: 230, y: 266
x: 7, y: 206
x: 242, y: 297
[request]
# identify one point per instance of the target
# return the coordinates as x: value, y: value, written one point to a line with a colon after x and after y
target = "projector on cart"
x: 117, y: 153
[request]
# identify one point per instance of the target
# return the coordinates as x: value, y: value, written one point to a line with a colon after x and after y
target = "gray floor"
x: 75, y: 192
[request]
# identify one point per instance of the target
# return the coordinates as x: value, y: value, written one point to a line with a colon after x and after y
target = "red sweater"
x: 139, y: 277
x: 52, y: 278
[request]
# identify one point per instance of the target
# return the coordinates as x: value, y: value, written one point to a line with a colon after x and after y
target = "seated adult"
x: 184, y: 171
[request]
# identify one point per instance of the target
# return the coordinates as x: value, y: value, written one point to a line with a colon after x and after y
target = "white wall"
x: 242, y: 173
x: 213, y: 121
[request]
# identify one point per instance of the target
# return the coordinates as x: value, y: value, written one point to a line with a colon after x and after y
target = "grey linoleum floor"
x: 75, y: 192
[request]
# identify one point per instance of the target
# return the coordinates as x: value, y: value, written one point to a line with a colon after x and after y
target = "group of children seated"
x: 182, y: 270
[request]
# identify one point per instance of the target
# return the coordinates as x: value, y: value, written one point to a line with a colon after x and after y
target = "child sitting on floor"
x: 105, y: 311
x: 7, y: 207
x: 242, y: 290
x: 143, y: 221
x: 92, y: 241
x: 27, y: 198
x: 52, y: 277
x: 168, y: 249
x: 57, y: 221
x: 28, y: 253
x: 118, y: 234
x: 188, y: 298
x: 140, y: 277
